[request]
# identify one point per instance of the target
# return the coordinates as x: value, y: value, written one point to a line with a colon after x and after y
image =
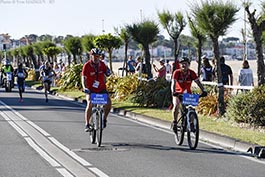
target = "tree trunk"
x: 125, y: 60
x: 147, y: 61
x: 69, y: 60
x: 199, y: 56
x: 74, y: 58
x: 221, y: 103
x: 110, y: 59
x: 257, y: 33
x: 260, y: 61
x: 35, y: 64
x: 176, y: 52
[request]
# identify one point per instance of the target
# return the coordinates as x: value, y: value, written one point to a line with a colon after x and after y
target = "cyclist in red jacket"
x: 93, y: 80
x: 181, y: 83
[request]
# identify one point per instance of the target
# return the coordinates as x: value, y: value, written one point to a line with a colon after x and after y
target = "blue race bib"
x: 191, y: 99
x: 99, y: 98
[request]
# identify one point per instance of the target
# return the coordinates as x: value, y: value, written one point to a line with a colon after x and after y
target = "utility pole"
x: 245, y: 37
x: 103, y: 31
x: 141, y: 15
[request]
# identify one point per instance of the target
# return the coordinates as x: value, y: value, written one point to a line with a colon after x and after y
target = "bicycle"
x: 98, y: 101
x: 188, y: 120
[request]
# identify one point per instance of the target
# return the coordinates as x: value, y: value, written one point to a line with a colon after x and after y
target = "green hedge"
x: 248, y: 107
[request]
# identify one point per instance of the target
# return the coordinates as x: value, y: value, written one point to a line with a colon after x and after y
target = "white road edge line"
x: 69, y: 152
x: 64, y: 172
x: 42, y: 153
x: 98, y: 172
x: 37, y: 127
x: 17, y: 128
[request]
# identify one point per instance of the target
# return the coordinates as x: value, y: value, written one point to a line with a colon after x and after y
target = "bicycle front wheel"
x: 193, y: 130
x: 180, y: 131
x: 99, y: 128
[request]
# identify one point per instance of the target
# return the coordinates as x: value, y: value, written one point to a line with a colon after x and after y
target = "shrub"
x: 31, y: 75
x: 154, y: 93
x: 71, y: 79
x: 122, y: 86
x: 209, y: 105
x: 248, y: 107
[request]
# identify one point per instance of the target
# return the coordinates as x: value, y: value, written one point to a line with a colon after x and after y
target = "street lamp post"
x: 103, y: 26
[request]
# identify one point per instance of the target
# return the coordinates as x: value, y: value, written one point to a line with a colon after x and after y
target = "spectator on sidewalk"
x: 139, y: 65
x: 245, y: 75
x: 161, y: 72
x: 131, y: 65
x: 168, y: 68
x: 207, y: 70
x: 227, y: 74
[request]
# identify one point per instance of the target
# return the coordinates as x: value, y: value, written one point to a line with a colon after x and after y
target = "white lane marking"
x: 14, y: 116
x: 42, y: 153
x: 18, y: 129
x: 64, y: 172
x: 98, y: 172
x: 71, y: 153
x: 37, y: 127
x: 4, y: 116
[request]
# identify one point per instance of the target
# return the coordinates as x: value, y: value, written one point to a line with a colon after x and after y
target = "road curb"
x: 214, y: 138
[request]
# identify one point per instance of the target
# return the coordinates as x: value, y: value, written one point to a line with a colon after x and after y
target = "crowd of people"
x: 208, y: 71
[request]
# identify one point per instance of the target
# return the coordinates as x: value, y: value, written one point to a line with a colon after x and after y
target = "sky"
x: 80, y: 17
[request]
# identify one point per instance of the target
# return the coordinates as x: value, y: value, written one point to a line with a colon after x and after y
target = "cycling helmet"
x: 184, y: 59
x: 95, y: 51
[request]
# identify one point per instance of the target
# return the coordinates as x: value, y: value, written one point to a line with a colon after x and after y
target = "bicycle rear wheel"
x: 193, y: 130
x: 99, y: 128
x: 179, y: 133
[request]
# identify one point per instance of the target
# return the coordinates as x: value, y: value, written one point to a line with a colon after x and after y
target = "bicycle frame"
x: 188, y: 121
x: 98, y: 101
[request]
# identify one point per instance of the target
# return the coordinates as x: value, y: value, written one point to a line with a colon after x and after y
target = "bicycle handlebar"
x: 180, y: 95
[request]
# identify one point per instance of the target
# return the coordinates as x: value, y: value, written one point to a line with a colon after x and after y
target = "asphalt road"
x: 48, y: 139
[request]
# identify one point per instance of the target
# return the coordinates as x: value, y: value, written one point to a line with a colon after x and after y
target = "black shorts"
x: 47, y: 81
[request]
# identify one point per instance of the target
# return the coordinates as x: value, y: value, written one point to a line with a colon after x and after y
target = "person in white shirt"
x: 245, y: 75
x: 168, y: 68
x: 139, y: 65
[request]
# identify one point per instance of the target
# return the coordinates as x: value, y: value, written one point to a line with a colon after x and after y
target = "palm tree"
x: 214, y: 18
x: 29, y: 50
x: 38, y: 52
x: 108, y: 42
x: 74, y: 46
x: 144, y: 33
x: 44, y: 47
x: 198, y: 34
x: 88, y: 42
x: 174, y: 24
x: 258, y: 26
